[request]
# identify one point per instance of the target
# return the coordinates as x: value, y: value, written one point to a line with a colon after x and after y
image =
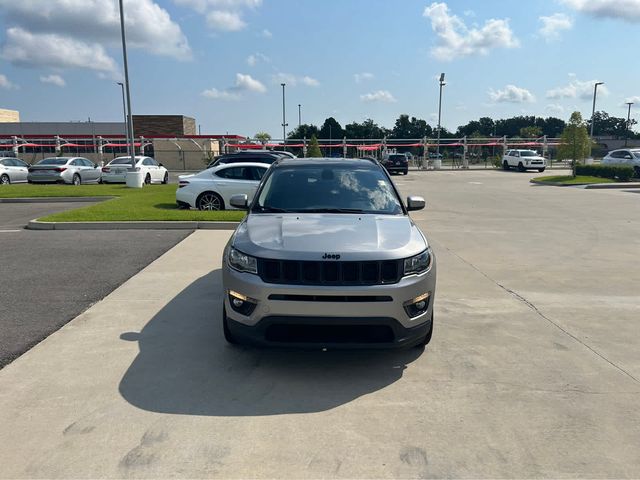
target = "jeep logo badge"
x: 331, y: 256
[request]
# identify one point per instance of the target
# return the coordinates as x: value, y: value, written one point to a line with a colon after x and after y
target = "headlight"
x: 418, y: 264
x: 242, y: 262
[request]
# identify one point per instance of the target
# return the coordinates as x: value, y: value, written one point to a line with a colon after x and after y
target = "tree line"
x: 406, y: 127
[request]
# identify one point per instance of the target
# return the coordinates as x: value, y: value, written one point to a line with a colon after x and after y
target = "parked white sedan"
x: 211, y: 189
x: 13, y: 170
x: 116, y: 170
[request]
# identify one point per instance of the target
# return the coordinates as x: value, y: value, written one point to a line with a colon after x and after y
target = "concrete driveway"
x: 533, y: 370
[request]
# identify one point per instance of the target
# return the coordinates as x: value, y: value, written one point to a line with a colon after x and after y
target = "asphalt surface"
x: 533, y: 370
x: 48, y: 278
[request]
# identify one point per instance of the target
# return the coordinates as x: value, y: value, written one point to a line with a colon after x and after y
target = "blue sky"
x: 222, y: 61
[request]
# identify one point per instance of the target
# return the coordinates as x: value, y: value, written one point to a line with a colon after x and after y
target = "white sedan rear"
x: 212, y: 189
x: 152, y: 172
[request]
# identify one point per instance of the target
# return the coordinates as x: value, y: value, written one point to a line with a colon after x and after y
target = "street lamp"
x: 593, y: 112
x: 626, y: 137
x: 124, y: 110
x: 284, y: 122
x: 442, y: 84
x: 129, y: 119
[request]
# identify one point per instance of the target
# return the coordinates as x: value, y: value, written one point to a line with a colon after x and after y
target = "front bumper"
x: 329, y: 316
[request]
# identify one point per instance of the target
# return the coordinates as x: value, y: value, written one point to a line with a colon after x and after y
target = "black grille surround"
x: 330, y: 272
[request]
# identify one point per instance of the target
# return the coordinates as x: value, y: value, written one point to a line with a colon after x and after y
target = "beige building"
x: 9, y: 116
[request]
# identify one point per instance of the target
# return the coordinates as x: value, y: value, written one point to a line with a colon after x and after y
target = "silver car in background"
x: 13, y: 170
x: 328, y: 257
x: 73, y: 170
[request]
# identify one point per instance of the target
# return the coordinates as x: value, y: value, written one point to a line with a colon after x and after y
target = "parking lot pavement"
x: 532, y: 371
x: 48, y: 278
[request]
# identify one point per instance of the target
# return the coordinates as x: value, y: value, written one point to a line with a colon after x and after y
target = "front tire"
x: 228, y: 336
x: 427, y: 338
x: 505, y: 165
x: 541, y: 170
x: 5, y: 180
x: 165, y: 180
x: 147, y: 179
x: 209, y: 201
x: 76, y: 179
x: 521, y: 167
x: 636, y: 171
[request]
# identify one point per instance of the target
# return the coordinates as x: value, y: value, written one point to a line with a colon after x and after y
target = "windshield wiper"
x: 262, y: 209
x: 331, y: 210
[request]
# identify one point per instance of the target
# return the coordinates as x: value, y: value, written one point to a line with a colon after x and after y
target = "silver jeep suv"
x: 328, y: 257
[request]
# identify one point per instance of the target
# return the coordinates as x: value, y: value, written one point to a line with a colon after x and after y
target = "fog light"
x: 418, y: 305
x: 241, y: 303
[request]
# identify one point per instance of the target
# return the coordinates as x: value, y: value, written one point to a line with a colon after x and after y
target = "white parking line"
x: 9, y: 231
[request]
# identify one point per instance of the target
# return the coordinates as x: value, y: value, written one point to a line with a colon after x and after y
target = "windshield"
x: 53, y: 161
x: 528, y: 153
x: 334, y: 189
x: 636, y: 153
x: 122, y: 161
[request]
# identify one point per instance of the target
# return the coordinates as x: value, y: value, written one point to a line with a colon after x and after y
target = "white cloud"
x: 255, y: 58
x: 310, y: 81
x: 53, y: 79
x: 51, y: 50
x: 6, y: 84
x: 511, y: 94
x: 246, y: 83
x: 555, y: 108
x: 577, y: 89
x: 361, y: 77
x: 378, y: 96
x: 628, y: 10
x: 553, y: 25
x: 635, y: 99
x: 149, y: 27
x: 202, y: 5
x: 266, y: 33
x: 216, y: 94
x: 456, y: 40
x: 292, y: 80
x: 225, y: 21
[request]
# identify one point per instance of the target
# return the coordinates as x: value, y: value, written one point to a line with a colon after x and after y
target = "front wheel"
x: 505, y: 165
x: 406, y: 172
x: 228, y: 336
x: 76, y: 179
x: 147, y: 179
x: 209, y: 201
x: 636, y: 171
x: 427, y: 338
x: 521, y: 167
x: 541, y: 170
x: 5, y: 180
x: 165, y: 179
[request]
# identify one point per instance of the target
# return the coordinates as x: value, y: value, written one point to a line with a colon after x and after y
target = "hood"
x: 309, y: 236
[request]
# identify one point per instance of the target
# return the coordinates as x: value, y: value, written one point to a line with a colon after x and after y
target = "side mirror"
x: 239, y: 201
x: 415, y: 203
x: 161, y: 165
x: 628, y: 157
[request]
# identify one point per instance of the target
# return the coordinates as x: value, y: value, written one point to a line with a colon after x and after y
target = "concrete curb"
x: 151, y: 225
x: 55, y: 199
x: 589, y: 185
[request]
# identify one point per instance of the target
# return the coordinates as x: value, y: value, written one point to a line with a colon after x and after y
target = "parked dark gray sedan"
x: 73, y: 170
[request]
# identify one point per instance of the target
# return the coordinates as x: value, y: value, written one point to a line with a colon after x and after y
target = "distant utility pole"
x: 284, y: 120
x: 299, y: 115
x: 626, y: 137
x: 442, y: 84
x: 593, y: 112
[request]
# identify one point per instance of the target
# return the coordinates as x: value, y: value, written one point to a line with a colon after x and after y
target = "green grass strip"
x: 569, y: 180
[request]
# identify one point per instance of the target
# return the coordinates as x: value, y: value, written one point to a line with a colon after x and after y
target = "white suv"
x: 630, y: 156
x: 523, y: 160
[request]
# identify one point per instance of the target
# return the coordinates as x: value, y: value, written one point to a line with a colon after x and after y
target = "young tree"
x: 262, y: 137
x: 314, y: 149
x: 575, y: 143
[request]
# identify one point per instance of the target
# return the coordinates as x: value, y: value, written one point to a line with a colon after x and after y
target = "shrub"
x: 616, y: 172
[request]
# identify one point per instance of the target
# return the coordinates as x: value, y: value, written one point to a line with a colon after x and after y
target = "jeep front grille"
x: 292, y: 272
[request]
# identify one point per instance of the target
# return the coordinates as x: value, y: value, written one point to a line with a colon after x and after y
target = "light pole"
x: 299, y: 115
x: 593, y: 112
x: 284, y: 121
x: 126, y: 124
x: 626, y: 136
x: 442, y: 84
x: 129, y: 119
